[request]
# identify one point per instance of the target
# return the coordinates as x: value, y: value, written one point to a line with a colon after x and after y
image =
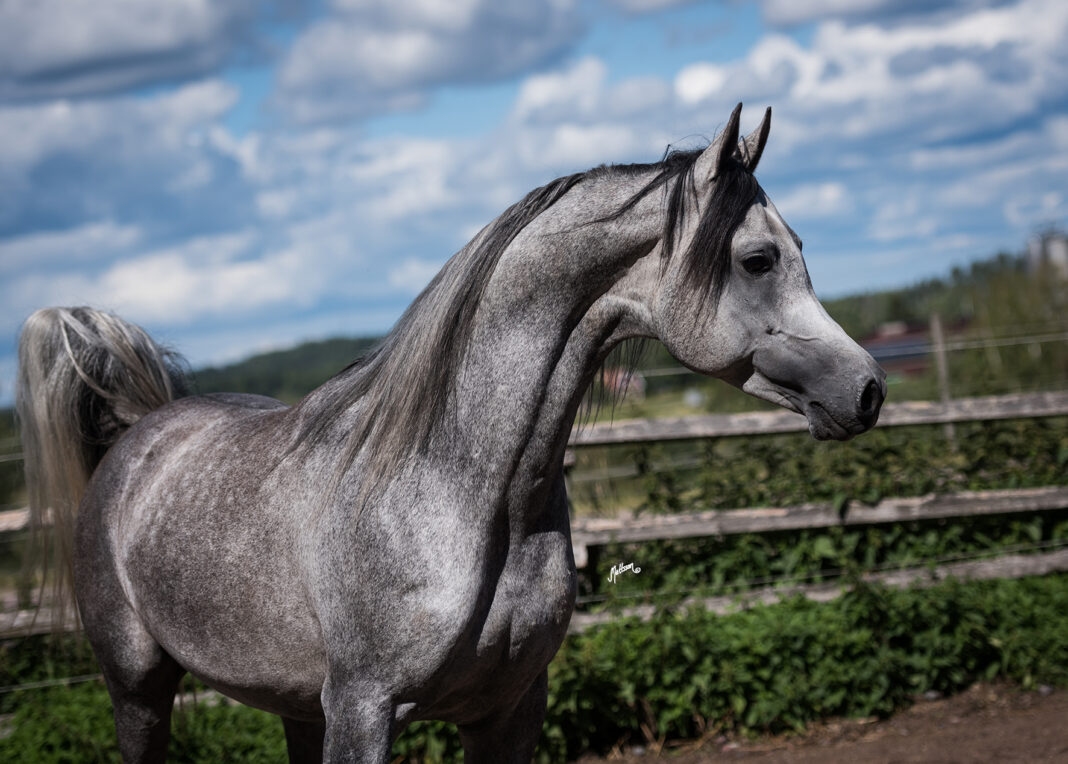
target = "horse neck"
x: 548, y: 317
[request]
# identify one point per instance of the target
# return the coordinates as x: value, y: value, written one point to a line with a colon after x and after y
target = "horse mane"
x: 405, y: 383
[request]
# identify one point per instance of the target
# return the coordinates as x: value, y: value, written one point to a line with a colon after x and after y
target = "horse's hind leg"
x: 141, y: 680
x: 508, y: 736
x: 304, y: 741
x: 140, y: 676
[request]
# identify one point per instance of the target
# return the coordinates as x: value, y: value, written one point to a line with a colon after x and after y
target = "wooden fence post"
x: 938, y: 341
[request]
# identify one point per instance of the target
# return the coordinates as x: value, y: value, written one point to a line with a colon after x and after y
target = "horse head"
x: 739, y: 305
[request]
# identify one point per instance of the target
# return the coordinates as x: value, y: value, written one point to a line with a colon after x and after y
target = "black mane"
x: 406, y: 382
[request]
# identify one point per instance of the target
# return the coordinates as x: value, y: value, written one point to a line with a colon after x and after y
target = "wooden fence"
x: 587, y: 532
x: 1017, y: 406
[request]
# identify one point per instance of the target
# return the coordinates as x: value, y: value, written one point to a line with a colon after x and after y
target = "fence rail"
x: 28, y: 622
x: 723, y: 522
x: 1015, y: 406
x: 598, y: 531
x: 1006, y: 566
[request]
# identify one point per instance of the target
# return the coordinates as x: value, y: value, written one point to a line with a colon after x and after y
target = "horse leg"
x: 304, y: 740
x: 142, y: 680
x: 359, y: 724
x: 141, y: 677
x: 509, y: 736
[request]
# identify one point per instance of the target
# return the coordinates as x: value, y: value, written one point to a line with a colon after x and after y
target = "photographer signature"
x: 621, y: 568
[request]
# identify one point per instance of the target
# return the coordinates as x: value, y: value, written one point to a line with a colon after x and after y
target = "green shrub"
x: 766, y: 669
x: 773, y: 668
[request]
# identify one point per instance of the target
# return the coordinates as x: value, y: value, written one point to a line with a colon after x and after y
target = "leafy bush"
x: 778, y: 667
x: 74, y: 724
x: 38, y: 659
x: 766, y: 669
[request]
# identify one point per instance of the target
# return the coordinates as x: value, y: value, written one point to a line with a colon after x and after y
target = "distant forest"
x: 284, y: 374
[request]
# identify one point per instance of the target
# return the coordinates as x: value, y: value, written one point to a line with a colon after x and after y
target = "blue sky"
x: 246, y: 175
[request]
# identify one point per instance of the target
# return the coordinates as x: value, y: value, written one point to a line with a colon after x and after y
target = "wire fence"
x: 45, y: 684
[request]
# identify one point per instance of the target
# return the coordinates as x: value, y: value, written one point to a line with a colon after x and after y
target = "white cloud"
x: 376, y: 56
x: 147, y: 161
x: 412, y: 275
x: 972, y: 156
x: 577, y: 88
x: 697, y: 82
x: 647, y: 6
x: 56, y: 48
x: 793, y: 12
x: 581, y: 92
x: 788, y: 12
x: 410, y: 177
x: 221, y: 275
x: 87, y: 243
x: 168, y: 287
x: 277, y: 204
x: 902, y: 219
x: 122, y: 126
x: 814, y: 200
x: 454, y: 16
x: 571, y: 147
x: 1036, y: 208
x: 938, y: 81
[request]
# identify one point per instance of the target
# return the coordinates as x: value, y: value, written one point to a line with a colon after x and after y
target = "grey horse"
x: 396, y: 546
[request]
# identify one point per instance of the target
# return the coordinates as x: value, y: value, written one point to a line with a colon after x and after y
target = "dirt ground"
x: 987, y: 723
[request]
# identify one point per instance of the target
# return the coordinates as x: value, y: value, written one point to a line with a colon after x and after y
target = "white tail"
x: 84, y: 378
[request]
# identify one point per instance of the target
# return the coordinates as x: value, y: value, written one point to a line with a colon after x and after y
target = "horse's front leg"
x: 509, y: 735
x: 359, y: 723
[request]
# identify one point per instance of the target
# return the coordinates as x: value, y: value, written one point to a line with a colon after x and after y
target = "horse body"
x: 188, y: 529
x: 397, y: 546
x: 459, y: 581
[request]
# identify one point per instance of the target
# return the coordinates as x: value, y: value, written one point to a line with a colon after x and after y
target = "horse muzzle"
x: 843, y: 422
x: 837, y: 406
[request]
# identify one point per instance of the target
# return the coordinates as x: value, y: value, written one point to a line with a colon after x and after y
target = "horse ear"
x: 753, y: 145
x: 711, y: 163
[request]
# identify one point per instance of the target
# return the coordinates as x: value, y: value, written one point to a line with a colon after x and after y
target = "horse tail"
x: 84, y: 378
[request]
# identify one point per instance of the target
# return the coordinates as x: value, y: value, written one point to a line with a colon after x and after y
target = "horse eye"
x: 757, y: 264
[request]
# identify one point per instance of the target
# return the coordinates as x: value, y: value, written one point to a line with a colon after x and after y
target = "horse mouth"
x: 821, y: 423
x: 823, y: 426
x: 761, y: 387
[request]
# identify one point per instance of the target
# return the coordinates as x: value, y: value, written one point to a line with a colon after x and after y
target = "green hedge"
x: 766, y: 669
x: 778, y: 667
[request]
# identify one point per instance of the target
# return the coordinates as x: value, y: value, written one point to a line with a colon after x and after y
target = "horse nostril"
x: 871, y: 399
